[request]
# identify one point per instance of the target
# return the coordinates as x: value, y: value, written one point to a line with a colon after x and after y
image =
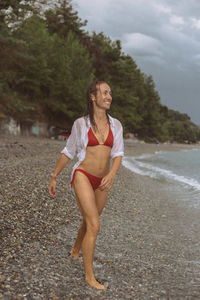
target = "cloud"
x: 141, y: 44
x: 163, y: 37
x: 195, y: 23
x: 162, y: 8
x: 176, y: 20
x: 196, y: 60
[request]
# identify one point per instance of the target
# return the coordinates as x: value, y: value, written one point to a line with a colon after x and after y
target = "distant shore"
x: 148, y: 247
x: 135, y: 147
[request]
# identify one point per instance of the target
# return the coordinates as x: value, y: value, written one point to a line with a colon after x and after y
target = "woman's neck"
x: 100, y: 115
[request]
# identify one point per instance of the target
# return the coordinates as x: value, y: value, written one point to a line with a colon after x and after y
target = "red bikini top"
x: 92, y: 140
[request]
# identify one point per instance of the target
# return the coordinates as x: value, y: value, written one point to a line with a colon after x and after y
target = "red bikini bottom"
x: 95, y: 181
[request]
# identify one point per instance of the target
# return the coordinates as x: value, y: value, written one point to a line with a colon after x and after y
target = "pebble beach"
x: 148, y: 246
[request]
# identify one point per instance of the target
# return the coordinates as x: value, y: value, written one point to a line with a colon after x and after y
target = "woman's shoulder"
x: 80, y: 120
x: 115, y: 122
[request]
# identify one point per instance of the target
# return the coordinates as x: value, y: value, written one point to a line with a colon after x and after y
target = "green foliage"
x: 33, y: 71
x: 48, y: 60
x: 71, y: 74
x: 125, y: 77
x: 63, y: 19
x: 14, y: 105
x: 178, y: 127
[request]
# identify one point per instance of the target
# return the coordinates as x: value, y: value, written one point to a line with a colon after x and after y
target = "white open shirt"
x: 78, y: 140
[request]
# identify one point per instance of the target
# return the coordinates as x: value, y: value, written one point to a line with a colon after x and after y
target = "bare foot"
x: 74, y: 254
x: 94, y: 283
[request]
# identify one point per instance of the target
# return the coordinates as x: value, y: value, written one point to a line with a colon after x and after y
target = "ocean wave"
x: 153, y: 171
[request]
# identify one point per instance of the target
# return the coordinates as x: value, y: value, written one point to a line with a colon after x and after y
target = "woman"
x: 95, y: 138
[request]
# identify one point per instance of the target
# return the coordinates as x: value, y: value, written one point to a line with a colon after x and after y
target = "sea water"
x: 179, y: 171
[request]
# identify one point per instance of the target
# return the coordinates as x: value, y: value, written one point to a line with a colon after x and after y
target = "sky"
x: 162, y: 36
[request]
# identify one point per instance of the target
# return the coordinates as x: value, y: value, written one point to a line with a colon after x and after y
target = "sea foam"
x: 150, y: 169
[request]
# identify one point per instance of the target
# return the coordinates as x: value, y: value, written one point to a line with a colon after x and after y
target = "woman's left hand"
x: 106, y: 182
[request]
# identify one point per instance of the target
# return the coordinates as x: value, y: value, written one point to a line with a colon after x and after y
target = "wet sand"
x: 136, y: 148
x: 148, y: 247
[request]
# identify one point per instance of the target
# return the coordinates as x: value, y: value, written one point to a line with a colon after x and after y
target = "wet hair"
x: 92, y: 90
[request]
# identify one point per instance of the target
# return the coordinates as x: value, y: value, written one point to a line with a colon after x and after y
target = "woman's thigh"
x: 100, y: 198
x: 85, y: 196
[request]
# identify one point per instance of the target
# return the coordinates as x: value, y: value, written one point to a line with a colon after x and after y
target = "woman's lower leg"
x: 88, y: 246
x: 77, y: 245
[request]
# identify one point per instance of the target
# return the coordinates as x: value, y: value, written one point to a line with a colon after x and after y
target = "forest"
x: 47, y: 60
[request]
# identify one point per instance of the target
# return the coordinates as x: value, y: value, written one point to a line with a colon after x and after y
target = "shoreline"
x: 137, y: 148
x: 179, y: 185
x: 148, y: 246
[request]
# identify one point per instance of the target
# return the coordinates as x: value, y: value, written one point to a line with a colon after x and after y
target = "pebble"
x: 137, y: 251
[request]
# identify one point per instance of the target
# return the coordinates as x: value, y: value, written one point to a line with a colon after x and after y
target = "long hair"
x: 92, y: 90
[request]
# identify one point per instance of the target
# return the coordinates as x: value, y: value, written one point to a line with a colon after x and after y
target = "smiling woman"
x: 95, y: 138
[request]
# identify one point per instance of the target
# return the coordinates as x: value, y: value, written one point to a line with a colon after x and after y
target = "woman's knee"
x: 83, y: 225
x: 93, y: 226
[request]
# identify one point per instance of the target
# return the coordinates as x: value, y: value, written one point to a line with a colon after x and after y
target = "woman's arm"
x: 107, y: 181
x: 63, y: 160
x: 115, y: 165
x: 67, y: 153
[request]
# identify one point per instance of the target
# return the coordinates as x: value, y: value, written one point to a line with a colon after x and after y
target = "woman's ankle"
x: 74, y: 253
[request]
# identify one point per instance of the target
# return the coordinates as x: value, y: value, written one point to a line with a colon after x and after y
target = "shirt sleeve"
x: 71, y: 144
x: 118, y: 146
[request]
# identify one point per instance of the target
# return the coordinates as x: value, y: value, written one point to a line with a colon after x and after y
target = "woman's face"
x: 103, y: 97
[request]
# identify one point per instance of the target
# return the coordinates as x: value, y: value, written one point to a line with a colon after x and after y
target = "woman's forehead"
x: 104, y: 86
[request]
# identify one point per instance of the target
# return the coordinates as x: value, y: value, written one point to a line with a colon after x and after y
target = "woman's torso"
x: 97, y: 158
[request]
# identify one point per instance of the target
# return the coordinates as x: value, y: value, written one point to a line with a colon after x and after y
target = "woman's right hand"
x: 52, y: 187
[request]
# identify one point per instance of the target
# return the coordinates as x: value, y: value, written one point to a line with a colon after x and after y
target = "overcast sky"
x: 162, y: 36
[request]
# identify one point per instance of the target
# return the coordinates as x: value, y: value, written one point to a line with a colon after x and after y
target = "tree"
x: 151, y: 109
x: 71, y: 74
x: 48, y: 60
x: 63, y: 19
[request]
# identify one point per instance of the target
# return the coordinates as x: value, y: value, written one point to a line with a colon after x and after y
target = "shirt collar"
x: 87, y: 119
x: 111, y: 121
